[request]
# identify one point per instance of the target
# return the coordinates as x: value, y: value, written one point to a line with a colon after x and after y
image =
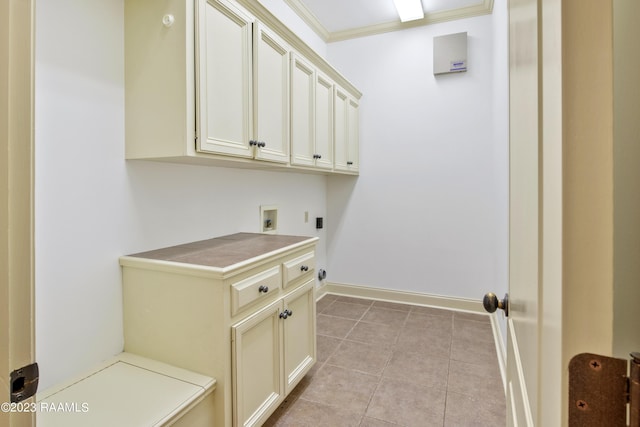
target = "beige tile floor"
x: 387, y: 364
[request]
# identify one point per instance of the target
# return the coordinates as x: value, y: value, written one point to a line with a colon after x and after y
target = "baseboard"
x: 391, y: 295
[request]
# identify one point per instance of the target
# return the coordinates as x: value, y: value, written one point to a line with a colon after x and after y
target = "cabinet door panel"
x: 225, y: 79
x: 300, y: 334
x: 353, y: 120
x: 257, y: 366
x: 341, y: 130
x: 324, y: 122
x: 302, y: 112
x: 271, y: 95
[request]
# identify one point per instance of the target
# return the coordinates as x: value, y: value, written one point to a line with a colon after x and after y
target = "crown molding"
x: 307, y: 16
x: 484, y: 7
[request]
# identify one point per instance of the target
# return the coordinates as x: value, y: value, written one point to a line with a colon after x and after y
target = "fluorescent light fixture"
x: 409, y: 10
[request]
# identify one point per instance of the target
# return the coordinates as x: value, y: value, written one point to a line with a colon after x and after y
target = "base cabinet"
x: 272, y: 350
x: 250, y: 325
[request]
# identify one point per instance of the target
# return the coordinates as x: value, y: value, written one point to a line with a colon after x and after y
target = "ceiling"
x: 336, y: 20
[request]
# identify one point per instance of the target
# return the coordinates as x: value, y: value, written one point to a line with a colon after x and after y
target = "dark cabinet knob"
x: 285, y: 314
x: 262, y: 144
x: 304, y: 268
x: 349, y: 163
x: 263, y: 289
x: 252, y: 143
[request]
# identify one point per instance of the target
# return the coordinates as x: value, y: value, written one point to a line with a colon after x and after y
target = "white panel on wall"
x: 450, y: 53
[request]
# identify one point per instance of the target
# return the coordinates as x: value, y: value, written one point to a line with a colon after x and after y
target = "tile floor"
x: 387, y: 364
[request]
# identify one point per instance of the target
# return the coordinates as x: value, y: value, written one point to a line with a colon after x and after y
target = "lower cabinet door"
x: 257, y: 366
x: 299, y: 334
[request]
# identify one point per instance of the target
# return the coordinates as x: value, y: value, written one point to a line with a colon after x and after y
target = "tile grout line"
x: 446, y: 389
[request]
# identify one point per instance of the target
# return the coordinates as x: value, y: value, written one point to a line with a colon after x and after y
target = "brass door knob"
x: 491, y: 303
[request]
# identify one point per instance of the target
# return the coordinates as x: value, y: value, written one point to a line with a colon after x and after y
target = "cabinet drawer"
x: 255, y: 287
x: 298, y: 267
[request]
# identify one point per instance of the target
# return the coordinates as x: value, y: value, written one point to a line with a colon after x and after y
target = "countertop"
x: 225, y: 251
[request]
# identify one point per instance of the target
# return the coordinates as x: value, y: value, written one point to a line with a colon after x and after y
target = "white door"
x: 563, y: 299
x: 16, y: 199
x: 524, y: 282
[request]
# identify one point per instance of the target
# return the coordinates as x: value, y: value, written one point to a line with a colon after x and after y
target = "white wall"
x: 429, y: 212
x: 93, y: 206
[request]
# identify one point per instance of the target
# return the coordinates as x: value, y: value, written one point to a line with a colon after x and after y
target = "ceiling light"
x: 409, y: 10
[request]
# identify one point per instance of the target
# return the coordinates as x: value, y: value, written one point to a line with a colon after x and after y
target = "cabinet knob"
x: 286, y: 314
x: 317, y: 156
x: 263, y: 289
x: 304, y: 268
x: 252, y: 143
x: 349, y: 163
x: 262, y: 144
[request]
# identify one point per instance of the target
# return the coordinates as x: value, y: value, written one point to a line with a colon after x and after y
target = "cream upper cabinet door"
x: 299, y: 334
x: 347, y: 131
x: 271, y: 95
x: 257, y: 366
x: 302, y: 111
x: 224, y: 67
x: 323, y: 147
x: 353, y: 134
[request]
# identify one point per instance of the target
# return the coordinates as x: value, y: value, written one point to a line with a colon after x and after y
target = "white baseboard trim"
x: 392, y: 295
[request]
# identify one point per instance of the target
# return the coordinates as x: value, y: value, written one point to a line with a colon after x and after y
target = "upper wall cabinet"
x: 214, y: 82
x: 311, y: 116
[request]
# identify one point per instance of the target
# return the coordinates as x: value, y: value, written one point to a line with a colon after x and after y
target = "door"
x: 271, y: 95
x: 299, y: 334
x: 563, y: 207
x: 257, y: 366
x: 225, y: 78
x: 17, y: 347
x: 302, y: 111
x: 522, y: 323
x: 347, y: 131
x: 323, y: 151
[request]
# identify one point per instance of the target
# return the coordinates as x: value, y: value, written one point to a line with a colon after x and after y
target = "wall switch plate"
x: 319, y: 223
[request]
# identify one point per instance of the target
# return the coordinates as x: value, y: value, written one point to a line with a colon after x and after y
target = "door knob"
x: 491, y: 303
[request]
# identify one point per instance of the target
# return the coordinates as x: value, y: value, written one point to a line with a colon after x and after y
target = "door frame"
x: 17, y: 332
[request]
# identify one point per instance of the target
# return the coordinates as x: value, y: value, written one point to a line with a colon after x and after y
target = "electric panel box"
x: 450, y: 53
